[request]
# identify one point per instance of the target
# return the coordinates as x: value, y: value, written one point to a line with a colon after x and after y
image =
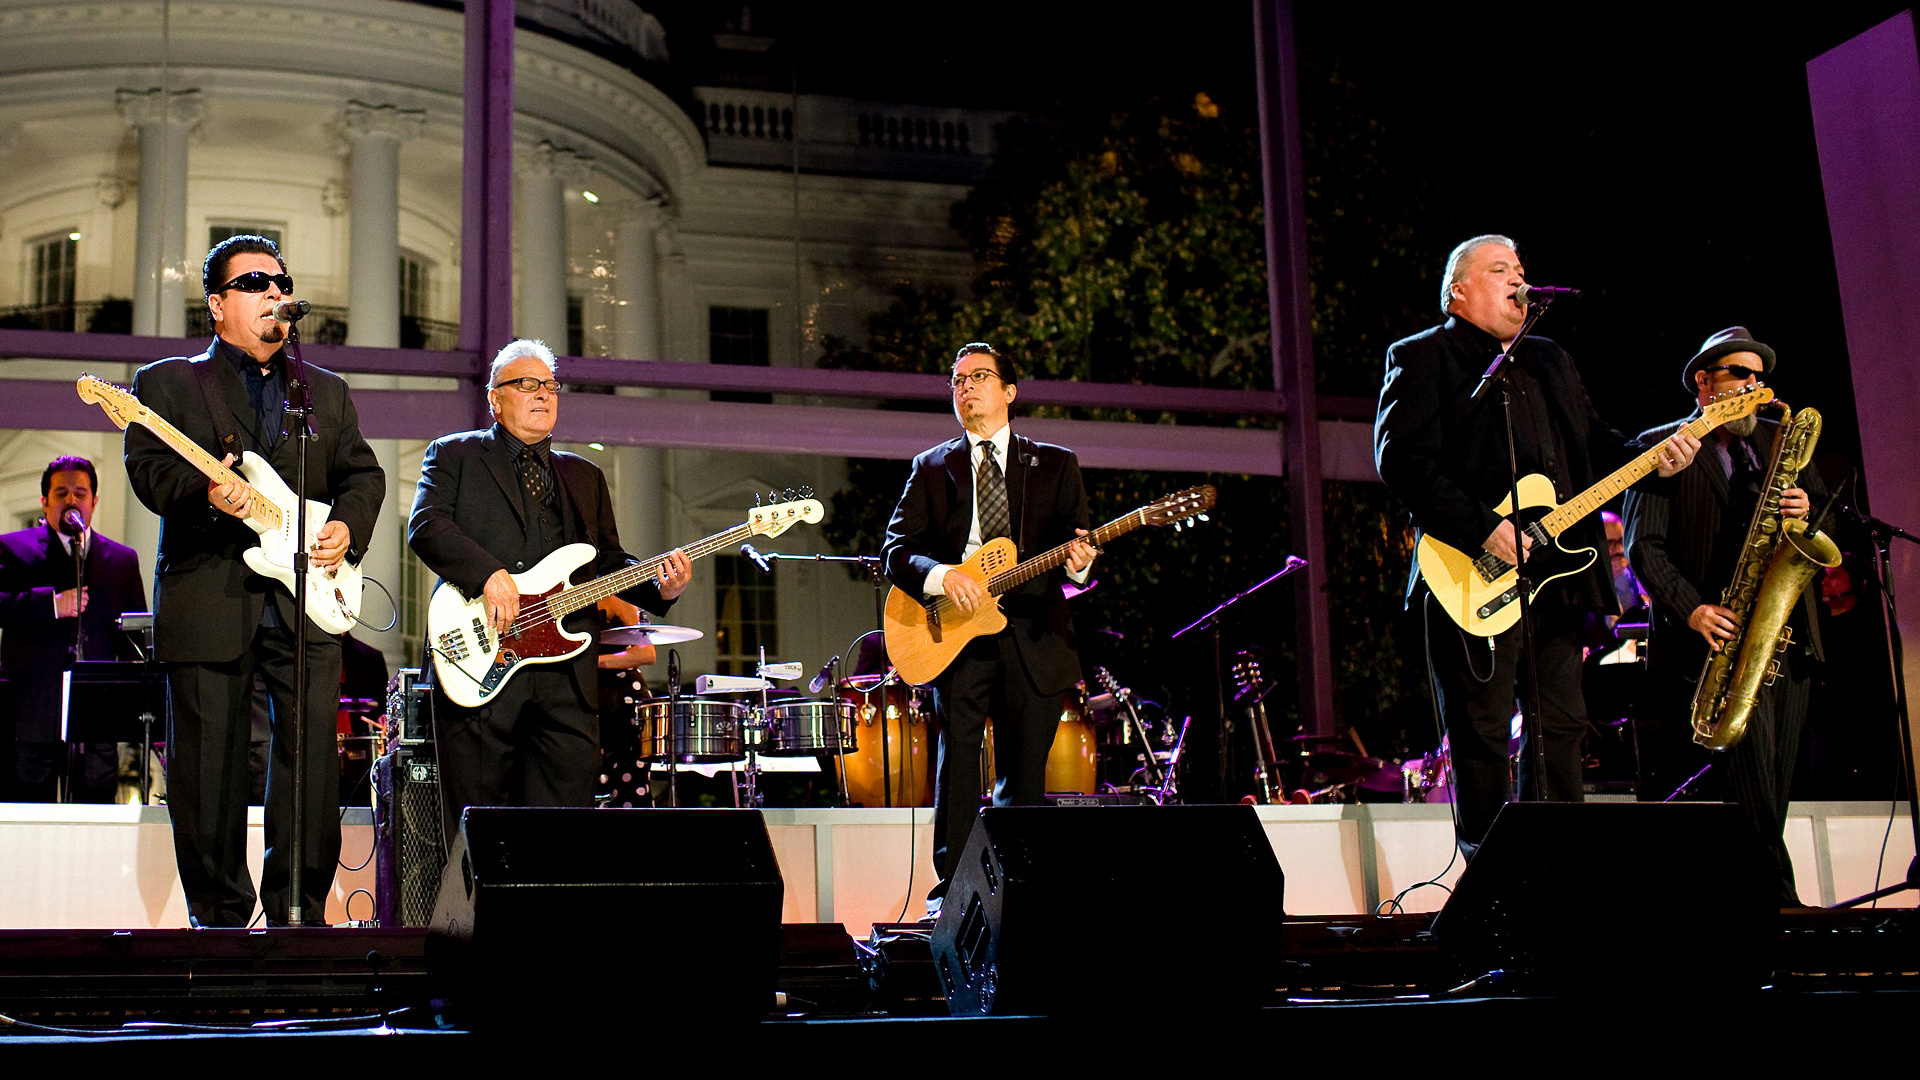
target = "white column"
x: 636, y: 321
x: 160, y: 262
x: 374, y: 132
x: 543, y: 242
x: 641, y: 497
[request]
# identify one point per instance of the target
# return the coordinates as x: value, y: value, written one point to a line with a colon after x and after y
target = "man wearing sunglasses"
x: 990, y: 483
x: 492, y: 504
x: 218, y: 624
x: 1684, y: 542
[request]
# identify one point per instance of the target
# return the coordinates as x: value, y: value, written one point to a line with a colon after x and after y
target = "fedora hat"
x: 1731, y: 340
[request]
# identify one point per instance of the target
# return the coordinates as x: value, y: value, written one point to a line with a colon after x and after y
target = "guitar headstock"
x: 121, y: 406
x: 1246, y: 675
x: 1181, y: 507
x: 1735, y: 404
x: 779, y: 517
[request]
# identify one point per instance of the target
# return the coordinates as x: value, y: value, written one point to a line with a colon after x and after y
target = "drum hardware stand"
x: 1170, y: 789
x: 1155, y: 781
x: 874, y: 572
x: 673, y: 718
x: 1211, y: 620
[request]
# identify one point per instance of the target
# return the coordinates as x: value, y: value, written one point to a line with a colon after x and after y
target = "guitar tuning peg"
x: 806, y: 491
x: 1204, y: 517
x: 756, y: 498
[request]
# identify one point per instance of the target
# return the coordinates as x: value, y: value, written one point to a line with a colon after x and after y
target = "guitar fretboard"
x: 587, y: 594
x: 1015, y: 576
x: 259, y: 509
x: 1557, y: 520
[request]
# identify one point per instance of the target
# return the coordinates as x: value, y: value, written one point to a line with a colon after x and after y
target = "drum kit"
x: 876, y: 727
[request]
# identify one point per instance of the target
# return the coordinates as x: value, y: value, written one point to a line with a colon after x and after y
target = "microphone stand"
x: 79, y: 592
x: 1212, y: 621
x: 299, y: 406
x: 1530, y: 681
x: 1883, y: 534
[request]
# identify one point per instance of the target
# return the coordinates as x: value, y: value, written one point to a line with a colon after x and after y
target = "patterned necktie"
x: 990, y: 490
x: 532, y: 477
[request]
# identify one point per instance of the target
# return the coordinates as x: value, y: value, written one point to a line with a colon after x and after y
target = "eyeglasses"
x: 976, y: 377
x: 1737, y: 371
x: 254, y: 281
x: 529, y: 384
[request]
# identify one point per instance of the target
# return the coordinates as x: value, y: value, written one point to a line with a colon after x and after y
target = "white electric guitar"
x: 333, y: 594
x: 473, y: 664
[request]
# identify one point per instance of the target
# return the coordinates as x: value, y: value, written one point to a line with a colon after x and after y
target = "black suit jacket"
x: 35, y: 647
x: 1046, y: 501
x: 468, y: 521
x: 1445, y: 456
x: 207, y: 603
x: 1681, y: 541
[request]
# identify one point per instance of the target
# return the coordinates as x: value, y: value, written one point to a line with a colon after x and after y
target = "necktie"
x: 990, y: 489
x: 532, y: 477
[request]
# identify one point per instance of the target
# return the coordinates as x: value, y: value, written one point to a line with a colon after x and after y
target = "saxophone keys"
x: 1773, y: 672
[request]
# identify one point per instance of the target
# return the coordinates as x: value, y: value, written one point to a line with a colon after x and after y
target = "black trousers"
x: 987, y: 679
x: 1477, y: 691
x: 209, y: 726
x: 536, y: 743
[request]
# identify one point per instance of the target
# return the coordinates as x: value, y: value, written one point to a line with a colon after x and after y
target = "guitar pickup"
x: 480, y: 634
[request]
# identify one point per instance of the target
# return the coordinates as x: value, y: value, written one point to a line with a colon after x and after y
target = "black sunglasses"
x: 257, y: 281
x: 1737, y: 371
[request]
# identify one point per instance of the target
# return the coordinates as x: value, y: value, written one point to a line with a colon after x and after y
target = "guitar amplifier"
x: 409, y: 707
x: 410, y: 854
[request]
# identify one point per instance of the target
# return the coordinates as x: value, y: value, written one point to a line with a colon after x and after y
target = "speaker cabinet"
x: 409, y: 852
x: 599, y: 915
x: 1053, y: 908
x: 1591, y: 898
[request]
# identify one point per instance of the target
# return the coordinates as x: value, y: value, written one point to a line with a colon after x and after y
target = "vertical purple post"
x: 1290, y: 313
x: 486, y: 206
x: 1866, y: 98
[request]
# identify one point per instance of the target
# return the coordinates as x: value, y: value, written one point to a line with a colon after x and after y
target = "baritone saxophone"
x: 1776, y: 563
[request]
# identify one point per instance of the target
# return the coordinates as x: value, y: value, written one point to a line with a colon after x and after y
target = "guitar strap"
x: 217, y: 411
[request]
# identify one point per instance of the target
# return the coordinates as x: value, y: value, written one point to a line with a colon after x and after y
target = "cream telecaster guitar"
x: 473, y: 664
x: 1481, y: 592
x: 923, y: 638
x: 333, y: 594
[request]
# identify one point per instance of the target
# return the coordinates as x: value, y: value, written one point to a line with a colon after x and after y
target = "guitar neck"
x: 260, y: 509
x: 1015, y: 576
x: 587, y: 594
x: 1616, y: 482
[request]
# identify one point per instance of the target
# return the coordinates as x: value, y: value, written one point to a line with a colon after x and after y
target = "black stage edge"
x: 1841, y: 980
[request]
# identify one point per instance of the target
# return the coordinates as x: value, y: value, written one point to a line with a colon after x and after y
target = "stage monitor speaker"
x: 1052, y: 909
x: 589, y: 917
x: 1599, y: 898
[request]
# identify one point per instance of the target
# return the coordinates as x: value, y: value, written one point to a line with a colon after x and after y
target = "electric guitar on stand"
x: 333, y: 593
x: 1481, y: 591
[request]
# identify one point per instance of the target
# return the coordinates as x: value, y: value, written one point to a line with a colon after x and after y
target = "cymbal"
x: 649, y: 634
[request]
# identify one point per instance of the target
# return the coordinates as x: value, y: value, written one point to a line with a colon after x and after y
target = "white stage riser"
x: 73, y: 867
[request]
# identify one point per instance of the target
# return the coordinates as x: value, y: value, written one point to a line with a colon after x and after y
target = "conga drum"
x: 1074, y: 762
x: 892, y: 710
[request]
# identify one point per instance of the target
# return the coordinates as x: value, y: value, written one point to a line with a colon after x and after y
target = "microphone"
x: 71, y: 522
x: 1530, y: 294
x: 759, y: 560
x: 820, y: 681
x: 288, y: 311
